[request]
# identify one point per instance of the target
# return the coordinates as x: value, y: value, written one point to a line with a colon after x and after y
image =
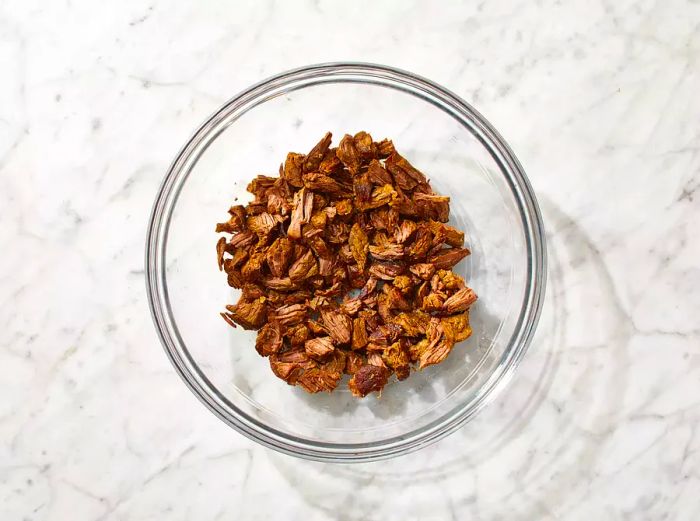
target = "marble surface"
x: 598, y: 99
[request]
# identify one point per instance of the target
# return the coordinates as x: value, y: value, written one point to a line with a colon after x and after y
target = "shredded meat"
x: 344, y: 265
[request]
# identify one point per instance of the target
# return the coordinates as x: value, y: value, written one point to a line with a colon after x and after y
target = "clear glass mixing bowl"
x: 464, y: 157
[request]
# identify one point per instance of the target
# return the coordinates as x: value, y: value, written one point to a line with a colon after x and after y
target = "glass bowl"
x: 462, y: 155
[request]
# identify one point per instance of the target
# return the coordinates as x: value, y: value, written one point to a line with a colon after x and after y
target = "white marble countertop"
x: 601, y: 102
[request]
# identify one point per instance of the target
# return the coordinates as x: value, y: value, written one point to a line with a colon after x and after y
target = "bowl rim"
x: 224, y: 116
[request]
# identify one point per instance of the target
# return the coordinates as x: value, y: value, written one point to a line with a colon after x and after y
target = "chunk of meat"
x: 460, y: 301
x: 353, y: 362
x: 304, y: 267
x: 349, y: 155
x: 381, y: 195
x: 447, y: 259
x: 290, y: 314
x: 359, y: 333
x: 377, y: 174
x: 302, y: 207
x: 249, y: 314
x: 407, y: 177
x: 413, y: 323
x: 440, y: 343
x: 220, y: 250
x: 368, y: 379
x: 317, y: 153
x: 396, y: 358
x: 358, y: 245
x: 319, y: 348
x: 431, y: 206
x: 293, y: 169
x: 386, y: 270
x: 278, y: 256
x: 241, y: 240
x: 290, y: 365
x: 385, y: 148
x: 423, y: 271
x: 269, y: 339
x: 236, y: 221
x: 458, y: 326
x: 452, y: 235
x: 324, y: 183
x: 297, y: 334
x: 330, y: 164
x: 338, y: 324
x: 366, y: 148
x: 387, y: 251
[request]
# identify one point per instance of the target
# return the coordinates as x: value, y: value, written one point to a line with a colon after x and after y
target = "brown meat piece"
x: 414, y: 323
x: 431, y: 206
x: 304, y: 267
x: 297, y: 335
x: 220, y: 250
x: 249, y: 314
x: 353, y: 362
x: 359, y: 333
x: 290, y: 314
x: 269, y: 340
x: 343, y: 207
x: 349, y: 155
x: 446, y: 279
x: 362, y: 188
x: 365, y: 146
x: 302, y: 208
x: 324, y: 183
x: 384, y: 219
x: 396, y: 358
x: 358, y: 245
x: 293, y: 169
x: 420, y: 245
x: 241, y: 240
x: 278, y: 256
x: 277, y: 203
x: 404, y: 284
x: 440, y: 343
x: 319, y: 348
x: 377, y: 174
x: 318, y: 152
x: 433, y: 302
x: 387, y: 252
x: 330, y: 165
x: 290, y: 365
x: 368, y: 379
x: 460, y: 301
x: 338, y: 324
x: 458, y: 326
x: 386, y: 270
x: 381, y: 195
x: 385, y: 334
x: 385, y: 148
x: 452, y: 236
x: 446, y: 259
x: 236, y: 221
x: 252, y: 269
x: 405, y: 230
x: 423, y: 271
x: 407, y: 177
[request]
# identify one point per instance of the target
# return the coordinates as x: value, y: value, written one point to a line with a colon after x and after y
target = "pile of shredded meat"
x: 344, y: 263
